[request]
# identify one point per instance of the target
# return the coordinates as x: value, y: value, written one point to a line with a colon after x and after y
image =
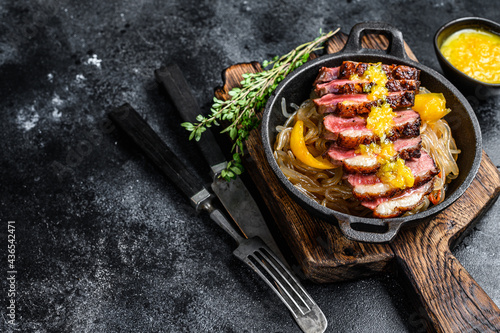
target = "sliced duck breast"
x: 395, y: 72
x: 345, y: 86
x: 357, y: 163
x: 361, y: 164
x: 370, y: 187
x: 327, y: 74
x: 351, y: 132
x: 350, y: 105
x: 395, y: 206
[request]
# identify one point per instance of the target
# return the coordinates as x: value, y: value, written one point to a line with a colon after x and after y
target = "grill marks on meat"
x: 393, y: 72
x: 348, y: 68
x: 403, y: 85
x: 406, y: 124
x: 327, y: 74
x: 370, y: 187
x: 362, y: 86
x: 408, y: 148
x: 351, y: 105
x: 357, y: 163
x: 351, y: 132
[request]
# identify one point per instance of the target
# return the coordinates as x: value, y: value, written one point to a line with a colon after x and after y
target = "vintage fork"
x: 252, y: 251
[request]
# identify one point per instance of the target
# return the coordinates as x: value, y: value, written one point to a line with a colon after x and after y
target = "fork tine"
x: 282, y: 269
x: 286, y: 283
x: 283, y: 286
x: 260, y: 258
x: 253, y: 263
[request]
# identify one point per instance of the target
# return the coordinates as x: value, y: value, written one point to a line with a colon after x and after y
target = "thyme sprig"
x: 240, y: 111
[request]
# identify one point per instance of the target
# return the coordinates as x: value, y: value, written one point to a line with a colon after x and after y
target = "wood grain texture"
x: 453, y: 300
x: 369, y: 40
x: 320, y: 248
x: 324, y: 254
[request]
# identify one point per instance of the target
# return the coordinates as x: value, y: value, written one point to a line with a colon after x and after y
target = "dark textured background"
x: 109, y: 245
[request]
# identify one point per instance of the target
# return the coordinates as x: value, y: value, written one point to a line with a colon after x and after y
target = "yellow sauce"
x: 475, y: 52
x: 375, y: 74
x: 380, y: 120
x: 385, y: 151
x: 393, y: 171
x: 396, y: 173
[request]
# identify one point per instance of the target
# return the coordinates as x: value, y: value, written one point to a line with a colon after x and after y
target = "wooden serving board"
x: 453, y: 301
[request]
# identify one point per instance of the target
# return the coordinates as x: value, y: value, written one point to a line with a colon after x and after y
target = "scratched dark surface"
x: 104, y: 242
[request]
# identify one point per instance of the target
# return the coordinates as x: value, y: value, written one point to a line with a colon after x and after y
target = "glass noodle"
x: 327, y: 187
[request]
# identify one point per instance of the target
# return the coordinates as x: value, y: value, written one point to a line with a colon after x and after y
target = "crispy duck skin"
x: 353, y: 162
x: 361, y: 164
x: 342, y: 86
x: 351, y: 132
x: 348, y: 68
x: 396, y: 206
x: 393, y: 72
x: 370, y: 187
x: 351, y: 139
x: 327, y: 74
x: 351, y: 105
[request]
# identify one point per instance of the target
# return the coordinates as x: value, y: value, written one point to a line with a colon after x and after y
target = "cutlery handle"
x: 155, y: 149
x: 174, y: 82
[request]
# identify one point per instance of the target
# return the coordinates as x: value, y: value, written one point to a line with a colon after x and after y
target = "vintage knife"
x: 251, y: 251
x: 233, y: 195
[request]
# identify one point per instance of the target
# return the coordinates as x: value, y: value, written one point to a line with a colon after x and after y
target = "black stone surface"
x: 106, y: 244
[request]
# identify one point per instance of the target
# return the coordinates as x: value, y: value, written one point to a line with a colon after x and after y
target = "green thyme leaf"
x: 241, y: 110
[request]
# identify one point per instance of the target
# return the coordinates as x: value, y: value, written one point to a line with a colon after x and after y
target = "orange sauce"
x: 475, y: 52
x: 393, y: 170
x: 396, y: 173
x: 380, y: 120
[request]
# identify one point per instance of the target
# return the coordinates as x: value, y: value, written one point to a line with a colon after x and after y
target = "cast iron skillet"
x: 464, y: 125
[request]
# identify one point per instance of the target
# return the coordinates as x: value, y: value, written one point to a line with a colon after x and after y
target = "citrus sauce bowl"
x: 459, y: 78
x: 462, y: 120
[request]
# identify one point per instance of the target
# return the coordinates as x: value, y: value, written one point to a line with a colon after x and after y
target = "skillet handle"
x: 372, y: 237
x: 396, y: 42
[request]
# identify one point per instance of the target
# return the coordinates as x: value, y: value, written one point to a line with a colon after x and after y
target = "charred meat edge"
x: 389, y: 191
x: 395, y: 72
x: 352, y: 138
x: 346, y: 108
x: 358, y: 87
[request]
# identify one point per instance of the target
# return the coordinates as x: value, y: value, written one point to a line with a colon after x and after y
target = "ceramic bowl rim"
x: 474, y: 21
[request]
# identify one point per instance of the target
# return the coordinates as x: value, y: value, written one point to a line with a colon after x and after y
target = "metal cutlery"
x: 251, y: 251
x: 233, y: 195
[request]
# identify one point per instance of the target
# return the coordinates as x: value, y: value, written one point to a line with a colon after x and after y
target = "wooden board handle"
x: 454, y: 302
x: 452, y: 299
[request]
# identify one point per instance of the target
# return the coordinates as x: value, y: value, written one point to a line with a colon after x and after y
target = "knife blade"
x: 252, y: 251
x: 234, y: 195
